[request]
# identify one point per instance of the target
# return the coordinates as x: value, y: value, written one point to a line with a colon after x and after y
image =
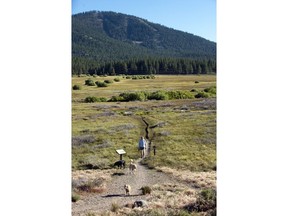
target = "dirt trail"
x: 115, y: 190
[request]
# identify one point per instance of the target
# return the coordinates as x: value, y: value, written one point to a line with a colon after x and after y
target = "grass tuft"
x: 146, y: 190
x: 115, y: 207
x: 75, y: 197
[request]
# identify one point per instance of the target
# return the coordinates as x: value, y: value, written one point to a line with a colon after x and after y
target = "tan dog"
x: 132, y: 167
x: 127, y: 189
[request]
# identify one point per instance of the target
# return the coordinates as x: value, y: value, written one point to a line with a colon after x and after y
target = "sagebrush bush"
x: 92, y: 99
x: 76, y: 87
x: 116, y: 80
x: 136, y: 77
x: 211, y: 90
x: 202, y: 95
x: 206, y: 202
x: 89, y: 82
x: 108, y: 81
x: 95, y: 186
x: 208, y: 194
x: 180, y: 95
x: 146, y: 190
x: 134, y: 96
x: 101, y: 84
x: 158, y: 95
x: 116, y: 98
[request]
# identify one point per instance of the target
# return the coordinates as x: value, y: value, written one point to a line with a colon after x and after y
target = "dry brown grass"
x: 163, y: 197
x: 92, y: 174
x: 90, y: 181
x: 197, y: 179
x: 172, y: 196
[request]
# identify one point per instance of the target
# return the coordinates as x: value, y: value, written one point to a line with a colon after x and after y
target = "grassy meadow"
x: 183, y: 131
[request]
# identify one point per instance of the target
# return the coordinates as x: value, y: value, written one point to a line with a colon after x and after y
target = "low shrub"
x: 75, y: 197
x: 180, y: 95
x: 116, y: 80
x: 108, y: 81
x: 211, y: 90
x: 95, y: 186
x: 158, y: 95
x: 101, y: 84
x: 134, y: 96
x: 208, y: 194
x: 89, y: 82
x: 92, y: 99
x: 76, y: 87
x: 206, y: 202
x: 136, y: 77
x: 146, y: 190
x: 116, y: 98
x: 202, y: 95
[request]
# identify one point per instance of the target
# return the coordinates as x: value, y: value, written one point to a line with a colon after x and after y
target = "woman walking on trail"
x: 142, y: 146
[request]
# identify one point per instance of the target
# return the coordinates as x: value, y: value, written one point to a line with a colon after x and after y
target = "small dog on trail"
x: 120, y: 164
x: 127, y: 189
x: 132, y: 167
x: 139, y: 203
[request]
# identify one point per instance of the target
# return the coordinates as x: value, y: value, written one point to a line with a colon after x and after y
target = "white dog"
x: 127, y: 189
x: 132, y: 167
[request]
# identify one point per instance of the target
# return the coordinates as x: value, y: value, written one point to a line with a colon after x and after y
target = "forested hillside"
x: 114, y: 43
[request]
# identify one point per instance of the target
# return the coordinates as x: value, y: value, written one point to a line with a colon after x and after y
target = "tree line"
x: 143, y: 66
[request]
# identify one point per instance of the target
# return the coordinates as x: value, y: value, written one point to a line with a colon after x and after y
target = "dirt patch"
x: 170, y: 190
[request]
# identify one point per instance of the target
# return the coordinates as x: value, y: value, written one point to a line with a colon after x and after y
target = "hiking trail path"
x: 115, y: 192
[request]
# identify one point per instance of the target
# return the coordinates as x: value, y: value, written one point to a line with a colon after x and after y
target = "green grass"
x: 187, y: 140
x: 163, y: 82
x: 75, y: 197
x: 186, y: 137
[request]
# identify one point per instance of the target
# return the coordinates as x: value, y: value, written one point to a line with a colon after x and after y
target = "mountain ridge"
x: 93, y: 28
x: 115, y: 43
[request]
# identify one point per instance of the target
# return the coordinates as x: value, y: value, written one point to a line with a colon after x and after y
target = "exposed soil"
x: 115, y: 192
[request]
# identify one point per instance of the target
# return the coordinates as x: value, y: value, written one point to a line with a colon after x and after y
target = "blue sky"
x: 194, y: 16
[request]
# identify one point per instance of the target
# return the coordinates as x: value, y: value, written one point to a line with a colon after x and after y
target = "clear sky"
x: 193, y: 16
